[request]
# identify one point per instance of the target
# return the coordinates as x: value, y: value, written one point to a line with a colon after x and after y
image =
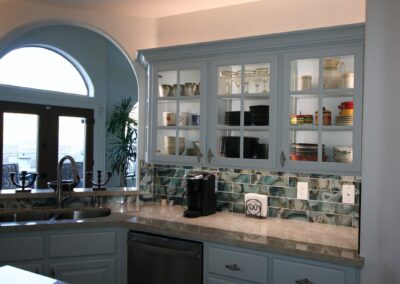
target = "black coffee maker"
x: 201, y: 199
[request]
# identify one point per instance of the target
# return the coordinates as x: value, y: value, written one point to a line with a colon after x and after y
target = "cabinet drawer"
x: 237, y: 265
x: 288, y: 272
x: 21, y: 248
x: 82, y: 244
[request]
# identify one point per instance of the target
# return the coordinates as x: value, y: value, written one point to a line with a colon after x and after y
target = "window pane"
x: 41, y: 68
x: 71, y: 141
x: 20, y: 136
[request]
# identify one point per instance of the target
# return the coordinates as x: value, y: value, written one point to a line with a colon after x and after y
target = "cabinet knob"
x: 303, y: 281
x: 233, y: 267
x: 283, y: 159
x: 210, y: 155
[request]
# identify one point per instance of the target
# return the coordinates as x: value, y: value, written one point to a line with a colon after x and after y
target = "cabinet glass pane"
x: 229, y: 111
x: 189, y: 113
x: 167, y: 83
x: 256, y: 78
x: 338, y: 72
x: 338, y: 146
x: 189, y: 142
x: 228, y: 142
x: 339, y: 110
x: 304, y: 74
x: 167, y: 113
x: 302, y: 109
x: 258, y: 110
x: 190, y: 80
x: 304, y: 145
x: 229, y: 81
x: 255, y: 144
x: 166, y: 142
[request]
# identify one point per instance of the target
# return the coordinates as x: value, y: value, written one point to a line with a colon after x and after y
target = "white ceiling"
x: 140, y: 8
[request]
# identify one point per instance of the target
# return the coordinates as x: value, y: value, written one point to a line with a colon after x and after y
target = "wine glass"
x: 248, y: 75
x: 257, y: 79
x: 228, y: 77
x: 264, y: 74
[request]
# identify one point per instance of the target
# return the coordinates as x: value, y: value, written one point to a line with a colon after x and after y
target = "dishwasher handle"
x: 163, y: 250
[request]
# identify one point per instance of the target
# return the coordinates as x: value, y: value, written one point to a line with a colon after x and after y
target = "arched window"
x: 41, y: 68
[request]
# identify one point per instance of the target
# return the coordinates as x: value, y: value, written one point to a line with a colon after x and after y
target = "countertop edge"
x: 131, y: 222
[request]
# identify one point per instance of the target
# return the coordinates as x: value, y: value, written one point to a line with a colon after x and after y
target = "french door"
x: 34, y: 137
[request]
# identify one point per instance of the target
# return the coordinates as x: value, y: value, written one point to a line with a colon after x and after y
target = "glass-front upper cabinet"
x: 178, y: 135
x: 243, y: 108
x: 322, y: 111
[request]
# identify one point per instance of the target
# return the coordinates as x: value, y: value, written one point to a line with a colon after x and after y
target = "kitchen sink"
x: 83, y: 214
x: 26, y: 216
x: 61, y: 214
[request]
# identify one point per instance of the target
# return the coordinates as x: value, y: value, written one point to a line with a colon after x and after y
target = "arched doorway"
x: 107, y: 71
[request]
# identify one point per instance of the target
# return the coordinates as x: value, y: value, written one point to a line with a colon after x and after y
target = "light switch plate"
x: 348, y: 193
x: 302, y: 190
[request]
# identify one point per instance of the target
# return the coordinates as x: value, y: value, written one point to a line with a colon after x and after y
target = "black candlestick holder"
x: 24, y: 176
x: 99, y: 185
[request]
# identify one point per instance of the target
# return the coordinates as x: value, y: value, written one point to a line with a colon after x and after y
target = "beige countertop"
x: 335, y: 244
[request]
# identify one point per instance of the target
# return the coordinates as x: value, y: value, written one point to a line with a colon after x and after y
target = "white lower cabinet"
x: 226, y: 265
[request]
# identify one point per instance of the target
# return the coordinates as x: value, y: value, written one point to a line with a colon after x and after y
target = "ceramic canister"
x: 348, y: 80
x: 305, y: 83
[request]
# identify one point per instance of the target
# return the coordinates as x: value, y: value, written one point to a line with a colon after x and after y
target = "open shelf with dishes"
x: 322, y: 120
x: 177, y: 115
x: 242, y: 106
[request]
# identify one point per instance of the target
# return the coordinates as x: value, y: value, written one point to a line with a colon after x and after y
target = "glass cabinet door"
x: 177, y: 114
x: 243, y: 110
x: 322, y: 111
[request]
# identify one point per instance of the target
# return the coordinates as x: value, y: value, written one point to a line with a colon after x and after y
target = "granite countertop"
x: 77, y: 192
x: 335, y: 244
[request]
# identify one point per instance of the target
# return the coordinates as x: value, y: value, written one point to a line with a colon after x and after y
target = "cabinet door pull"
x: 283, y: 159
x: 303, y: 281
x: 52, y: 273
x: 210, y: 155
x: 233, y: 267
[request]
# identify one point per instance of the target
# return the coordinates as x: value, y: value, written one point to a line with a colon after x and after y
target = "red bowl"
x: 346, y: 105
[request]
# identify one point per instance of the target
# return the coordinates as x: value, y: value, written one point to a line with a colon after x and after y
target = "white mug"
x: 184, y: 118
x: 169, y: 119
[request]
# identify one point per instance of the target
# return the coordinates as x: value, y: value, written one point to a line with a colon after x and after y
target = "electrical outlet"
x: 348, y: 193
x: 302, y: 190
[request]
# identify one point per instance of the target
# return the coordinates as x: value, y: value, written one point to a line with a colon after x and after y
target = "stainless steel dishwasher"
x: 155, y: 259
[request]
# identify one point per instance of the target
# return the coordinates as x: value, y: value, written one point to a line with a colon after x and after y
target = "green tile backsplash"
x: 324, y: 204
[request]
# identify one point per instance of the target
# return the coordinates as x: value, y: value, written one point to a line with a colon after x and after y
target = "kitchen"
x: 378, y: 242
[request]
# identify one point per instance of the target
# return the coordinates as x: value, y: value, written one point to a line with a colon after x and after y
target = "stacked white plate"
x: 344, y: 120
x: 343, y: 154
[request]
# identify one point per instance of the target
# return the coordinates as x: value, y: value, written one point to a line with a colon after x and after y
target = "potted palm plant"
x: 122, y: 129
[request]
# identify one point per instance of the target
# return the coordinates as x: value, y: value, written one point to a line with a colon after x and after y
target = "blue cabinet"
x: 94, y: 271
x: 249, y: 91
x: 225, y: 264
x: 74, y: 256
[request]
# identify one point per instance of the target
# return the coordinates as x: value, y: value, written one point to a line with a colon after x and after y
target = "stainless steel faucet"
x: 76, y: 178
